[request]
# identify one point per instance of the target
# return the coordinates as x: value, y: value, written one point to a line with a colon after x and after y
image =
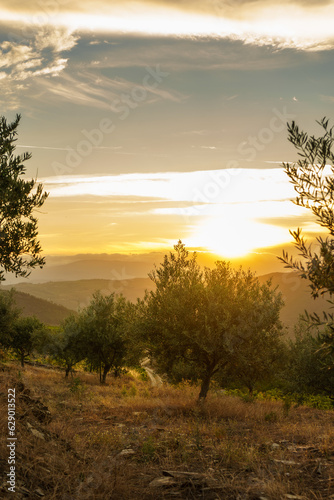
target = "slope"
x: 46, y: 311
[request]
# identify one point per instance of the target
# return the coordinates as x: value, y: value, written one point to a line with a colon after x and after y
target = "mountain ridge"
x: 48, y: 312
x: 77, y: 294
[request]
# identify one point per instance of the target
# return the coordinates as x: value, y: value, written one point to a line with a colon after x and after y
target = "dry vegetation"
x: 112, y: 441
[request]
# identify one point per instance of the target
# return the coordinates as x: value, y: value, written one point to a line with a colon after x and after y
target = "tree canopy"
x: 103, y: 332
x: 200, y: 318
x: 26, y: 334
x: 9, y: 313
x: 19, y: 248
x: 313, y: 179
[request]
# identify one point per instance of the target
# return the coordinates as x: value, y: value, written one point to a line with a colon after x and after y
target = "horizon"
x: 123, y: 267
x: 154, y: 121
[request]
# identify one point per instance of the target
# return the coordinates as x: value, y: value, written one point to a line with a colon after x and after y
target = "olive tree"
x: 313, y: 179
x: 202, y: 318
x: 259, y: 359
x: 306, y: 365
x: 19, y: 248
x: 65, y: 344
x: 24, y: 336
x: 104, y: 325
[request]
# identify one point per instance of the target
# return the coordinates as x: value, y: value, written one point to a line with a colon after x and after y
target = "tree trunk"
x: 205, y: 386
x: 67, y: 371
x: 22, y: 360
x: 250, y: 389
x: 211, y: 369
x: 106, y: 369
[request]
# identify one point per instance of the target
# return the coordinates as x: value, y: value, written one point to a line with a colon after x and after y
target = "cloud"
x: 327, y: 98
x: 180, y: 54
x: 196, y: 132
x: 58, y: 39
x: 113, y: 148
x: 210, y: 207
x: 98, y: 91
x: 298, y: 24
x: 32, y: 63
x: 199, y: 187
x: 13, y: 54
x: 52, y: 70
x: 26, y: 59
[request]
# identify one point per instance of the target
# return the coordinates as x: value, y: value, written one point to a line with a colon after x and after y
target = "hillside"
x: 46, y: 311
x: 296, y: 296
x: 127, y: 440
x: 77, y: 294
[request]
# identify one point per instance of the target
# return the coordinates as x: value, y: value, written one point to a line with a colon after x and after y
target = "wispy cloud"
x: 328, y: 98
x: 206, y: 187
x: 216, y: 208
x: 197, y: 132
x: 25, y: 59
x: 114, y: 148
x: 92, y: 89
x: 57, y: 39
x: 298, y: 24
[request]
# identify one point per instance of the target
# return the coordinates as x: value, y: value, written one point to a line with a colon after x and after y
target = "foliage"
x: 142, y: 373
x: 8, y: 314
x: 20, y: 250
x: 320, y: 401
x: 77, y: 387
x: 313, y: 180
x: 200, y: 319
x: 259, y: 359
x: 307, y: 364
x: 25, y: 335
x: 65, y: 344
x: 104, y: 326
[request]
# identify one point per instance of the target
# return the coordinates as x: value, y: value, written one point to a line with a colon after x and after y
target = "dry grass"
x: 239, y: 450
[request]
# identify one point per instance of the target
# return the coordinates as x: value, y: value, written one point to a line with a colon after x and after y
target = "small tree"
x: 24, y: 336
x: 199, y: 319
x: 66, y: 344
x: 19, y: 248
x: 104, y: 326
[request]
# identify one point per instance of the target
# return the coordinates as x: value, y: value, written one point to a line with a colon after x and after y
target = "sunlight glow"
x: 237, y: 236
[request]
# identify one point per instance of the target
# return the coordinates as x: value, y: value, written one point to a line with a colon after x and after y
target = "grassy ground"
x: 112, y: 441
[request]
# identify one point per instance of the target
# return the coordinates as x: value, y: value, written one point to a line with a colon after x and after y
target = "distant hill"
x: 296, y: 295
x: 91, y: 269
x: 126, y: 267
x: 46, y: 311
x: 77, y: 294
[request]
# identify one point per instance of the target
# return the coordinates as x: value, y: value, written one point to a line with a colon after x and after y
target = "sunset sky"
x: 151, y: 121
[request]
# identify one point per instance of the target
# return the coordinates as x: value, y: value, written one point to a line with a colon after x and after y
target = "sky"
x: 153, y: 121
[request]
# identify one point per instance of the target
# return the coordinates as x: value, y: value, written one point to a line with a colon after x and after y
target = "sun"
x: 235, y: 236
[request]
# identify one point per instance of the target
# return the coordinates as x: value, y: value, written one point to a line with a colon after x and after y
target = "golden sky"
x: 153, y: 121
